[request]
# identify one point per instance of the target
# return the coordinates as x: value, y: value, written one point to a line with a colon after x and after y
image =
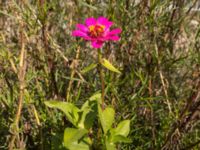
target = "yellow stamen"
x: 96, y: 30
x: 91, y: 28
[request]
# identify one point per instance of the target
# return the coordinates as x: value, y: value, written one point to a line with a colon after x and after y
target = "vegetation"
x: 141, y: 93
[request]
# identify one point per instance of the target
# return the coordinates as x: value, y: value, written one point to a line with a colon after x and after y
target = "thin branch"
x: 21, y: 77
x: 73, y: 66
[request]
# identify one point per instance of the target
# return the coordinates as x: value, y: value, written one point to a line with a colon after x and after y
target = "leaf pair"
x: 113, y: 135
x: 105, y: 63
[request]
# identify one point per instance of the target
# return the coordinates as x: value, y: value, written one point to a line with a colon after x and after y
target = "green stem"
x: 101, y: 78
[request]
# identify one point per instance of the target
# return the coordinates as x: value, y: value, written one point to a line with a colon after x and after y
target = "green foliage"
x: 70, y: 110
x: 109, y: 66
x: 106, y: 118
x: 123, y: 128
x: 83, y: 119
x: 113, y: 135
x: 110, y: 146
x: 89, y: 68
x: 88, y: 113
x: 72, y: 137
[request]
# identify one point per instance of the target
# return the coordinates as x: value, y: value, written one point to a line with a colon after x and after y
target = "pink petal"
x: 80, y: 34
x: 115, y: 31
x: 114, y: 38
x: 97, y: 44
x: 104, y: 21
x: 105, y: 38
x: 82, y: 27
x: 90, y: 21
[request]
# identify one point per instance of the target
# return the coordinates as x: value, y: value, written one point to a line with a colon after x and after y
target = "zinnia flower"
x: 97, y: 31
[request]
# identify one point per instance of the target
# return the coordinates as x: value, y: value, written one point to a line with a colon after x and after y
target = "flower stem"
x: 101, y: 78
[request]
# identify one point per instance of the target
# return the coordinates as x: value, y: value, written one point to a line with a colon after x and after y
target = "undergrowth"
x: 158, y: 56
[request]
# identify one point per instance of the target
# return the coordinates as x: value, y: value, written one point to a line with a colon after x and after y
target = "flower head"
x: 97, y: 31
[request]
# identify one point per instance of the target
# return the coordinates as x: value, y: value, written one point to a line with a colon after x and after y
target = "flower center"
x: 96, y: 30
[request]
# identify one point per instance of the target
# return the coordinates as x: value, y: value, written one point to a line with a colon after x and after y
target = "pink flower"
x: 97, y: 31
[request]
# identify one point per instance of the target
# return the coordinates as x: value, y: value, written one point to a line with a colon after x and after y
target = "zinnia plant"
x: 97, y: 31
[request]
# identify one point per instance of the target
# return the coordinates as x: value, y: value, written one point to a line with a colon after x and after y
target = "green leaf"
x: 70, y: 110
x: 106, y: 117
x: 96, y: 97
x: 88, y: 114
x: 88, y: 111
x: 72, y: 137
x: 88, y: 68
x: 109, y: 66
x: 83, y: 115
x: 79, y: 146
x: 110, y: 146
x: 120, y: 139
x: 123, y: 128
